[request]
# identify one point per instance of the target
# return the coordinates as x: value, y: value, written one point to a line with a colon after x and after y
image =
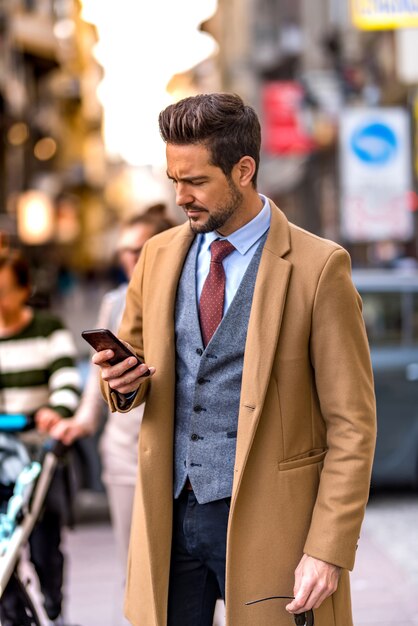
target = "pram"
x: 23, y: 488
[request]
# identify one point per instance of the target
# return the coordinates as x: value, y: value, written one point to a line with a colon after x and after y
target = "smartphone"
x: 104, y: 339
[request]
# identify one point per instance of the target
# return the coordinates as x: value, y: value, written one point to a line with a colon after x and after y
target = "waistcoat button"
x: 199, y: 351
x: 197, y: 408
x: 194, y: 437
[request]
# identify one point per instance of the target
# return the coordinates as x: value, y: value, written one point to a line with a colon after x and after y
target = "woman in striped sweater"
x: 38, y: 376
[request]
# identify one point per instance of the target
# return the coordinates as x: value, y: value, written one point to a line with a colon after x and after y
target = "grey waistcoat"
x: 208, y: 386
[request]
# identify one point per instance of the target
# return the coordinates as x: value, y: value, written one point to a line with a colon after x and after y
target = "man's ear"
x: 244, y: 171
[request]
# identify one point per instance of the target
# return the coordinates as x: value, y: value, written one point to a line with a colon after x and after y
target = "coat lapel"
x: 263, y: 333
x: 166, y: 272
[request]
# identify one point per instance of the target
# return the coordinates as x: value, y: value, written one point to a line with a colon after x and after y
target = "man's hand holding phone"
x: 120, y: 367
x: 126, y: 376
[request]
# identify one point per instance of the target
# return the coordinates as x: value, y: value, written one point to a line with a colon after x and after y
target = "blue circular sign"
x: 375, y: 143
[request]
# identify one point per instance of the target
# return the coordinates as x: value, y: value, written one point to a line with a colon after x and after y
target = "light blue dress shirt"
x: 245, y: 240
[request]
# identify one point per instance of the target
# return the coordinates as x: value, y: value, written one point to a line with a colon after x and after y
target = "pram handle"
x: 20, y: 422
x: 16, y: 422
x: 56, y: 447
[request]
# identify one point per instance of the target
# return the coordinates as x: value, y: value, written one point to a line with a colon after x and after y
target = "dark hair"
x: 228, y: 128
x: 18, y: 265
x: 154, y: 216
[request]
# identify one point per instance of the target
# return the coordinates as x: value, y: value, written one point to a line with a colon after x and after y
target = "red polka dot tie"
x: 212, y: 299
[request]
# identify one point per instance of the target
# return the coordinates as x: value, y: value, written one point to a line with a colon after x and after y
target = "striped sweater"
x: 37, y: 368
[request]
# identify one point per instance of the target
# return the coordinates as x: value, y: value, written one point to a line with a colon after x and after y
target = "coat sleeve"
x: 90, y: 410
x: 344, y: 382
x: 130, y: 330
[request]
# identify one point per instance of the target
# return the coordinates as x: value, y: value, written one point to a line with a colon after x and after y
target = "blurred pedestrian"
x: 258, y: 433
x: 38, y: 377
x: 119, y: 441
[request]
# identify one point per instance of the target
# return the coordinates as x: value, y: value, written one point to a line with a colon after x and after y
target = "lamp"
x: 35, y: 217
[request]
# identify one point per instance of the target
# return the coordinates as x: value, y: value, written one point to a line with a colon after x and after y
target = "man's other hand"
x: 315, y: 580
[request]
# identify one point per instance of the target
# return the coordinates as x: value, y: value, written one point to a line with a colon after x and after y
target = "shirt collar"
x: 246, y: 236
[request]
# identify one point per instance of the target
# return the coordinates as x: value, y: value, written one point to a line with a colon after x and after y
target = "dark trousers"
x: 197, y: 572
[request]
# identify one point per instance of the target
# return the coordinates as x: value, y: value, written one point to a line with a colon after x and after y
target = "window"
x: 382, y: 314
x: 391, y: 317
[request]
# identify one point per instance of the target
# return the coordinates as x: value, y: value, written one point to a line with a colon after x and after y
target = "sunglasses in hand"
x: 301, y: 619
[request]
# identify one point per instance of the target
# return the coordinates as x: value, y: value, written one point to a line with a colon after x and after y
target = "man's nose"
x: 183, y: 195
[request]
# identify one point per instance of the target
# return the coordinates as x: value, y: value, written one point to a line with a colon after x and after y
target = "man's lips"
x: 194, y: 212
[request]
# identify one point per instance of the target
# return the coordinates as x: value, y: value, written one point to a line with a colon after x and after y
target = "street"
x: 384, y: 581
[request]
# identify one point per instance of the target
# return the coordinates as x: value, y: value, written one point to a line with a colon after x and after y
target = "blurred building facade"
x: 300, y: 63
x: 304, y: 65
x: 52, y: 155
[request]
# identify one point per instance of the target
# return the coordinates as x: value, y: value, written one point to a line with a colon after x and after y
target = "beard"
x: 221, y: 214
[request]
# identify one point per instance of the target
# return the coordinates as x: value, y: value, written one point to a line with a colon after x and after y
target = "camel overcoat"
x: 306, y: 427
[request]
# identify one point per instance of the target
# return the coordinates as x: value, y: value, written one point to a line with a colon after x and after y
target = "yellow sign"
x: 384, y: 14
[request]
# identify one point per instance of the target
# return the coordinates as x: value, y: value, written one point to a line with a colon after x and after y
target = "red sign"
x: 284, y: 130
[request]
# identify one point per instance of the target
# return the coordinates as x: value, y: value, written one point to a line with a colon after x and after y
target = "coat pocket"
x: 306, y: 458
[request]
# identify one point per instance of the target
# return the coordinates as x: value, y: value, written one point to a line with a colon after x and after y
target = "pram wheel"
x: 16, y: 604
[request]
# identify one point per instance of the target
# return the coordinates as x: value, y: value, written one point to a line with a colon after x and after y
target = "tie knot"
x: 219, y: 249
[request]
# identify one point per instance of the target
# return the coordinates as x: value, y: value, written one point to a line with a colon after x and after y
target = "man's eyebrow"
x: 188, y: 179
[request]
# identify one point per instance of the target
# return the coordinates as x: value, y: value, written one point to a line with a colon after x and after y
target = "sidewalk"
x: 385, y: 579
x: 382, y: 593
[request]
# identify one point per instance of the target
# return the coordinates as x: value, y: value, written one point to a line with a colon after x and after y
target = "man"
x: 257, y: 440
